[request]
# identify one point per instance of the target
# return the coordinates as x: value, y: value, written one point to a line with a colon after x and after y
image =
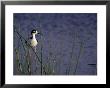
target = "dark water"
x: 67, y: 44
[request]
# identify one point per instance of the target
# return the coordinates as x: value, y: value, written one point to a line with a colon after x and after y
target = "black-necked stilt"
x: 34, y: 42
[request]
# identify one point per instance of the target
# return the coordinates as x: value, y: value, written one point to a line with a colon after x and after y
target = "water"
x: 67, y: 45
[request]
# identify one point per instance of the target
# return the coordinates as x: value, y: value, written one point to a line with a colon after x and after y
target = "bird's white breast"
x: 34, y: 42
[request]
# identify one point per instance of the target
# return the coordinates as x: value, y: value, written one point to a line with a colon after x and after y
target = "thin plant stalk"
x: 41, y: 43
x: 73, y: 56
x: 80, y: 51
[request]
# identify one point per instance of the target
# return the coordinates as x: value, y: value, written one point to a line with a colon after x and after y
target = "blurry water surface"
x: 67, y: 44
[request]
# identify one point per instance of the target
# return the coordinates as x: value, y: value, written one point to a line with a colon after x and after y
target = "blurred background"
x: 67, y: 44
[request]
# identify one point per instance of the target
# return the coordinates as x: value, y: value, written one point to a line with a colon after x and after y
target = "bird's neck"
x: 33, y: 36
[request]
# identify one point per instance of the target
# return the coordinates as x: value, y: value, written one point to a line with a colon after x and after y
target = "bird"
x: 34, y: 42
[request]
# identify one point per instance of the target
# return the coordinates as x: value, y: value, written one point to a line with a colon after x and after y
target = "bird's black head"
x: 34, y: 31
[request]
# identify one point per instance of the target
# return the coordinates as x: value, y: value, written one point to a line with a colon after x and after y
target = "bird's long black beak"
x: 40, y: 33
